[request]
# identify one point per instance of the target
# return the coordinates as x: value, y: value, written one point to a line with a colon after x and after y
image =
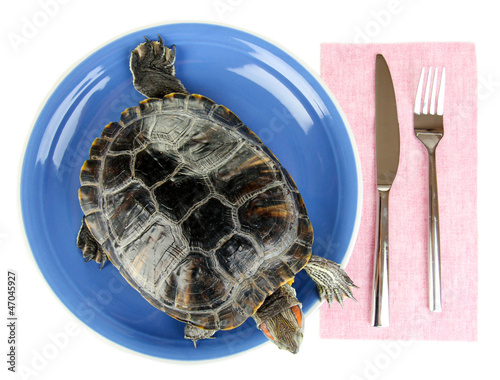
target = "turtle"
x: 197, y: 214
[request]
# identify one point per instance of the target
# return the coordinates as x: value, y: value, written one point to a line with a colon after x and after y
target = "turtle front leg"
x: 195, y: 333
x: 332, y: 281
x: 91, y: 249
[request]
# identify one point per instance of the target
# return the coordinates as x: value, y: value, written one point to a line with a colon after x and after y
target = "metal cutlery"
x: 387, y: 152
x: 429, y: 129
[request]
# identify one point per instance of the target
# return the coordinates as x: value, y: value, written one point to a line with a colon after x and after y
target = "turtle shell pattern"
x: 194, y: 210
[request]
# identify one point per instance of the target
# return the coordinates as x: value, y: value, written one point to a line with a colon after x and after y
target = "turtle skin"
x: 194, y: 210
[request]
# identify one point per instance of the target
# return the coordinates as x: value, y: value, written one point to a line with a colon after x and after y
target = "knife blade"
x: 387, y: 160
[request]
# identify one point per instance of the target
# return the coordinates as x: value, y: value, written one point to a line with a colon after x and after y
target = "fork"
x: 428, y: 125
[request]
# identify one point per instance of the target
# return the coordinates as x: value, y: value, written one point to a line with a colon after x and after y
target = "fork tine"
x: 440, y: 107
x: 432, y: 110
x: 418, y: 97
x: 425, y: 108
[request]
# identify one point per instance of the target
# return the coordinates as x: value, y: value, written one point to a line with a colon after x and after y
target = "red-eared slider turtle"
x: 197, y: 214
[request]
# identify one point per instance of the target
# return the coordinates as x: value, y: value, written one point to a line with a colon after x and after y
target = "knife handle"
x: 380, y: 296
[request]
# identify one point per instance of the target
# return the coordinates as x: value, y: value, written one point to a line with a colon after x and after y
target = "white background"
x: 73, y: 29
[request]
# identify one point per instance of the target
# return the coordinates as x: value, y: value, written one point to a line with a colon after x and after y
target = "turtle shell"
x: 194, y: 210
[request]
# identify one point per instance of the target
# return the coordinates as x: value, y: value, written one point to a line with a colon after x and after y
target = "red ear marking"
x: 264, y: 329
x: 298, y: 314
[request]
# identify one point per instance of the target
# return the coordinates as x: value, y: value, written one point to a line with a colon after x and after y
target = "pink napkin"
x: 349, y: 71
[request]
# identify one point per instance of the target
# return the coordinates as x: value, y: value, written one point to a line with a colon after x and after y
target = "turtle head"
x: 285, y: 329
x: 152, y: 65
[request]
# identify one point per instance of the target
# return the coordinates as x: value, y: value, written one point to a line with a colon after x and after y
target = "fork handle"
x: 380, y: 296
x: 434, y: 239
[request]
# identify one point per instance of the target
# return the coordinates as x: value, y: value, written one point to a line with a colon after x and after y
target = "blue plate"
x: 269, y: 90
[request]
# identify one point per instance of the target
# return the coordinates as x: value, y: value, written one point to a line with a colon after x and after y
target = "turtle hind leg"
x: 195, y: 333
x: 332, y: 281
x: 91, y: 249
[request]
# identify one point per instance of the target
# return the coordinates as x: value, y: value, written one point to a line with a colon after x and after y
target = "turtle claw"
x: 338, y: 294
x: 103, y: 263
x: 196, y: 340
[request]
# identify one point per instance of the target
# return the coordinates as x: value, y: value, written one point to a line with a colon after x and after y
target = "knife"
x: 387, y: 152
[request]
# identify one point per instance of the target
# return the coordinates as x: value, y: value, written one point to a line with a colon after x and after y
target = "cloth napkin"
x: 349, y: 72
